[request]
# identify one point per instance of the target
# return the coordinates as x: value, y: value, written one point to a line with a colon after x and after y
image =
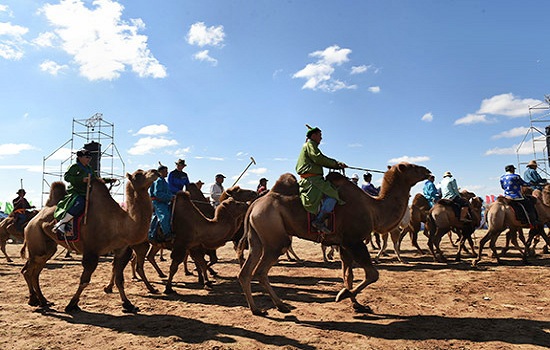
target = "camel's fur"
x: 8, y: 229
x: 108, y: 229
x: 442, y: 219
x: 272, y: 219
x: 501, y: 216
x: 194, y: 232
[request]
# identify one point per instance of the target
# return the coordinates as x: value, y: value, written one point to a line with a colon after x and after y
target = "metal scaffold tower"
x: 538, y: 138
x: 97, y: 136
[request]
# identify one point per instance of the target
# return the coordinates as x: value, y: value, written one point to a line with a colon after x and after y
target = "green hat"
x: 312, y: 131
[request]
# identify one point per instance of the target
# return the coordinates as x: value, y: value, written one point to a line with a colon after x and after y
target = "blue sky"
x: 445, y: 84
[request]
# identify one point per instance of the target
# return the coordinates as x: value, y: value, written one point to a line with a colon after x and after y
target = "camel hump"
x: 58, y: 191
x: 183, y: 195
x: 286, y: 185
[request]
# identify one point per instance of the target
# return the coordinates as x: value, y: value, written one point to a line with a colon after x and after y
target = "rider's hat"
x: 532, y: 163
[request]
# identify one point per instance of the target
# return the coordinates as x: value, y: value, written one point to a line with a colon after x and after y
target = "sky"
x: 451, y: 85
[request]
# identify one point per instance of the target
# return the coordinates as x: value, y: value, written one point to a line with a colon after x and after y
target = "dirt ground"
x: 419, y: 305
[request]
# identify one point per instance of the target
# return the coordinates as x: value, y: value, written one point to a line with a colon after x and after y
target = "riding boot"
x: 62, y: 224
x: 464, y: 215
x: 319, y: 223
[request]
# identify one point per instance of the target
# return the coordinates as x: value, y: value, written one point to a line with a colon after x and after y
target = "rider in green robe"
x: 313, y: 186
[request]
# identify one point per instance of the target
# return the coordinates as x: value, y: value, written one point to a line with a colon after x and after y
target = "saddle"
x: 449, y: 203
x: 72, y: 230
x: 518, y: 208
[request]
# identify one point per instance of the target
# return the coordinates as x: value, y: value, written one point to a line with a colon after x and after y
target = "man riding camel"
x: 315, y: 191
x: 74, y: 203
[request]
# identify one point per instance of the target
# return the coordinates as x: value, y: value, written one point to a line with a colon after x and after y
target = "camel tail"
x: 23, y: 250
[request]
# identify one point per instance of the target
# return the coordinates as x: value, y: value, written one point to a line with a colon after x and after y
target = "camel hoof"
x: 72, y: 308
x: 284, y: 309
x: 169, y: 290
x: 363, y: 309
x: 208, y: 286
x: 129, y: 308
x: 258, y: 312
x: 108, y: 290
x: 154, y: 291
x: 343, y: 294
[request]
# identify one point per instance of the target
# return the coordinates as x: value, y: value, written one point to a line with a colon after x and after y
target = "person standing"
x: 532, y: 177
x: 216, y: 190
x: 74, y: 203
x: 315, y: 191
x: 368, y: 187
x: 449, y: 190
x: 178, y: 179
x: 430, y: 191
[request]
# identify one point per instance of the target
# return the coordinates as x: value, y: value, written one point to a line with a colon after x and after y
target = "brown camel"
x: 193, y: 230
x: 272, y: 219
x: 419, y: 213
x: 8, y: 228
x: 443, y: 219
x: 148, y: 250
x: 108, y: 229
x: 501, y: 215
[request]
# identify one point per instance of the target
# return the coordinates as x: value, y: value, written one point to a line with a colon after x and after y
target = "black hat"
x: 263, y: 179
x: 220, y: 175
x: 367, y: 174
x: 312, y: 131
x: 21, y: 191
x: 83, y: 153
x: 181, y: 162
x: 162, y: 167
x: 509, y: 168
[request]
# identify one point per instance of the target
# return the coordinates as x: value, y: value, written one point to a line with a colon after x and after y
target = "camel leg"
x: 413, y: 233
x: 3, y: 248
x: 491, y: 235
x: 396, y: 237
x: 290, y: 252
x: 178, y: 255
x: 122, y: 257
x: 89, y: 263
x: 109, y: 287
x: 358, y: 252
x: 151, y: 258
x: 247, y: 269
x: 202, y: 267
x: 268, y: 259
x: 241, y: 247
x: 382, y: 248
x: 39, y: 252
x: 185, y: 266
x: 139, y: 258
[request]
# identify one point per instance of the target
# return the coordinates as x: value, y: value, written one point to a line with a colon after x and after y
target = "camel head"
x: 411, y: 174
x: 58, y: 191
x: 141, y: 179
x: 239, y: 194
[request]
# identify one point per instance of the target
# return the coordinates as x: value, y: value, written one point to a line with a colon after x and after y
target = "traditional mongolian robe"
x: 75, y: 200
x: 312, y: 183
x: 161, y: 196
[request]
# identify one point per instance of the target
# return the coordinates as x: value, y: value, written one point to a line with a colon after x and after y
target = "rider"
x: 314, y: 189
x: 449, y: 190
x: 430, y: 191
x: 162, y: 198
x: 74, y: 202
x: 532, y: 177
x: 178, y: 179
x: 20, y: 206
x: 511, y: 184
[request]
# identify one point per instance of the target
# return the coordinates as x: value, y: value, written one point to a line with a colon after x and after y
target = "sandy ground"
x: 419, y: 305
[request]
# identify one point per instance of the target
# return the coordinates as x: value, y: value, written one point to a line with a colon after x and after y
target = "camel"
x: 148, y: 250
x: 500, y: 216
x: 108, y: 228
x: 419, y: 213
x: 193, y: 230
x: 274, y: 218
x: 442, y: 219
x: 9, y: 228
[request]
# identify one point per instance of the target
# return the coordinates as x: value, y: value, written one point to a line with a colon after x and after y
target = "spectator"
x: 262, y: 186
x: 216, y: 190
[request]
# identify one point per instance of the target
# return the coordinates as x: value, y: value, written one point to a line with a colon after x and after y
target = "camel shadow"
x: 477, y: 330
x: 186, y: 330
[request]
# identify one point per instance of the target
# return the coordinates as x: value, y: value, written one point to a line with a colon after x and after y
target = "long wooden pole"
x: 87, y: 198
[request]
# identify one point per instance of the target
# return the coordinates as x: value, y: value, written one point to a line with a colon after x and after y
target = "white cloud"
x: 318, y: 75
x: 46, y: 39
x: 374, y: 89
x: 146, y: 145
x: 11, y: 149
x: 428, y: 117
x: 11, y: 40
x: 6, y: 9
x: 359, y: 69
x: 102, y: 43
x: 154, y: 129
x: 522, y: 149
x: 204, y: 56
x: 508, y: 105
x: 258, y: 171
x: 52, y: 67
x: 515, y: 132
x: 201, y: 35
x: 409, y: 159
x: 355, y: 145
x: 473, y: 119
x: 61, y: 154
